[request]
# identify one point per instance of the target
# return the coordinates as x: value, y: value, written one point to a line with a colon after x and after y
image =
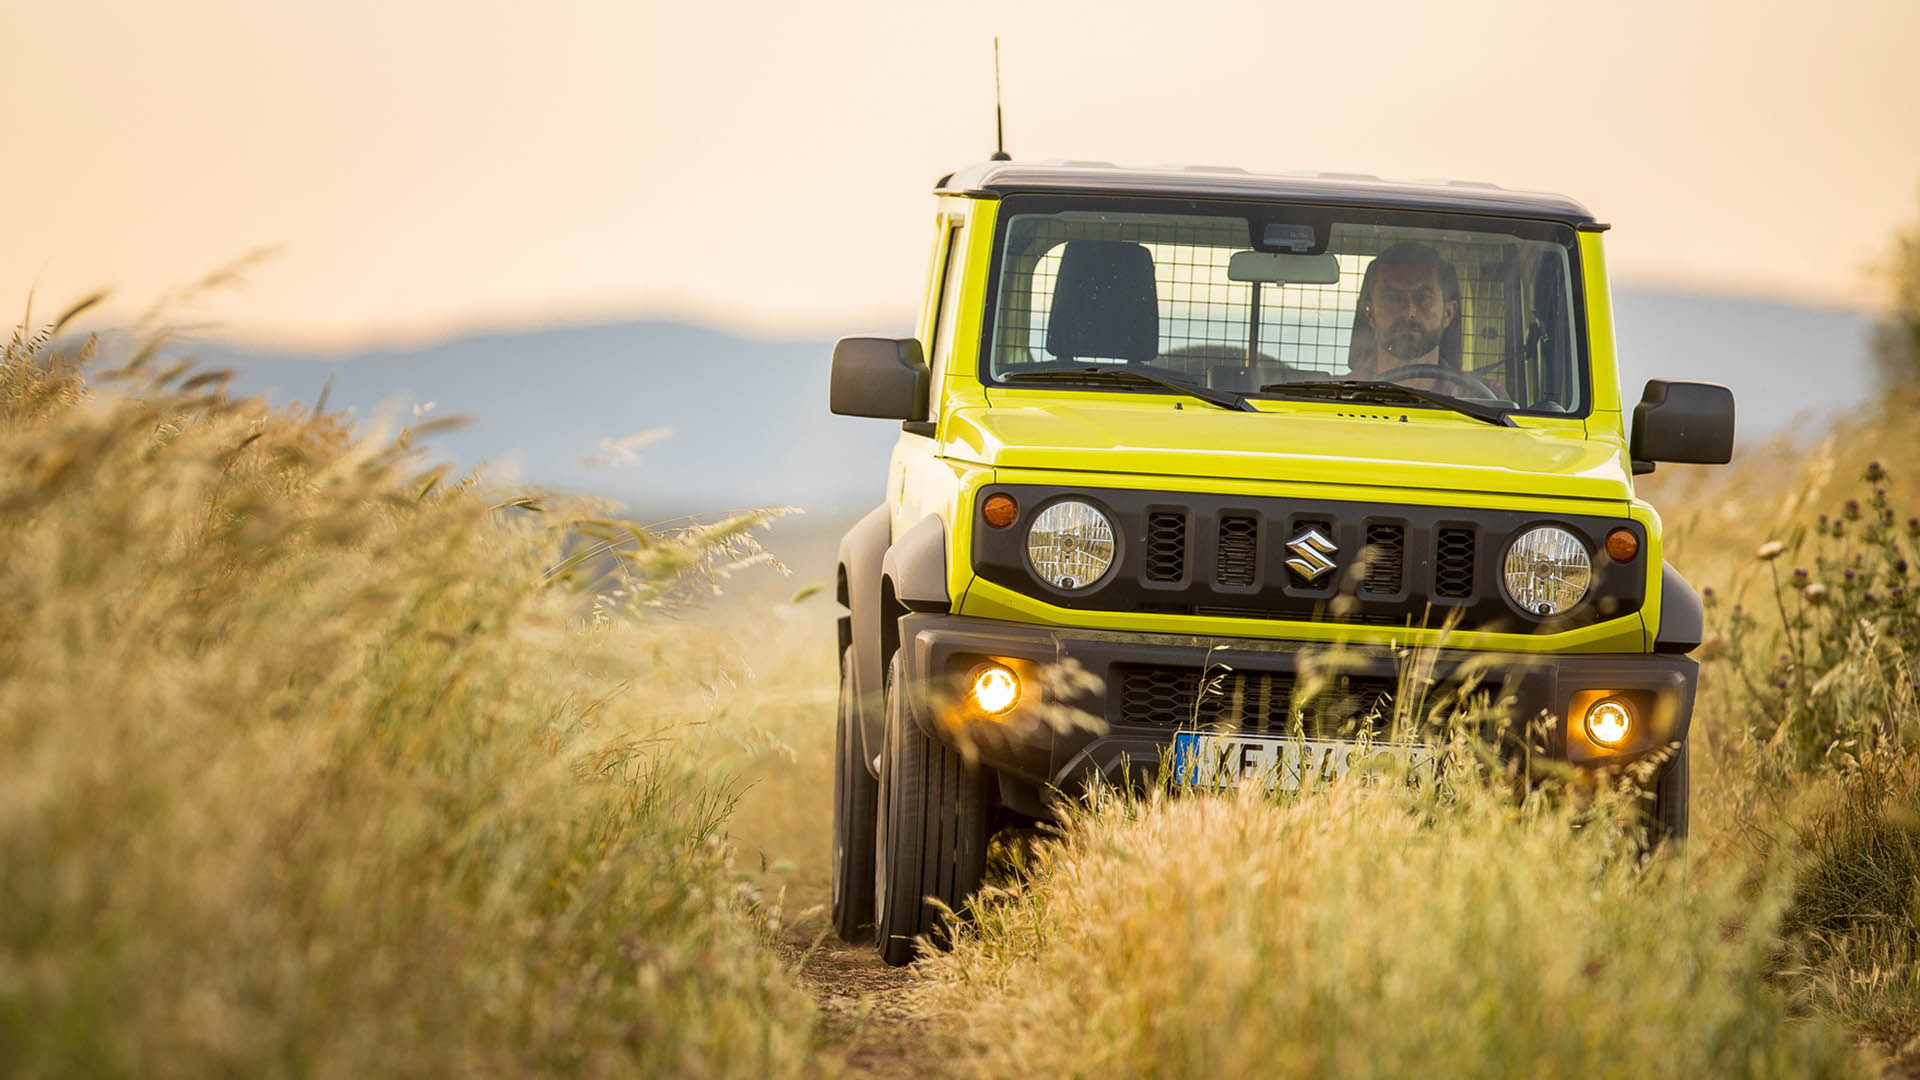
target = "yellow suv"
x: 1173, y: 438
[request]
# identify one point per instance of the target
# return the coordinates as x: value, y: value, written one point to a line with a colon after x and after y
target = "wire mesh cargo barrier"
x: 1212, y: 328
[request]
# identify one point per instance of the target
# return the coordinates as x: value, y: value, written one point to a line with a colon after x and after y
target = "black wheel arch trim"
x: 859, y: 587
x: 917, y: 566
x: 880, y: 580
x: 1683, y: 618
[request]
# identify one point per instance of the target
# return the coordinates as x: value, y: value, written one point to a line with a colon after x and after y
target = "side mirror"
x: 883, y: 377
x: 1682, y: 422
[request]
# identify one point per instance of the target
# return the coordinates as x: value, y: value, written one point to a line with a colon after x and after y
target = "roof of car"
x: 993, y: 179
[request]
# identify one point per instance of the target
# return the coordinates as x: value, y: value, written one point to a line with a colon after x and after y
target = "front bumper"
x: 1534, y: 691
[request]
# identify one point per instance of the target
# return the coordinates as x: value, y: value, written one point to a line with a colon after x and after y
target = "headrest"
x: 1104, y: 303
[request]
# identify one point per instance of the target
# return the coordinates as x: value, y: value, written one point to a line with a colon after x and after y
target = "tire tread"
x: 855, y: 810
x: 935, y: 832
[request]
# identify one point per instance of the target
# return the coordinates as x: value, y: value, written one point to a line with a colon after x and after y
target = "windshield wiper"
x: 1226, y: 399
x: 1378, y: 391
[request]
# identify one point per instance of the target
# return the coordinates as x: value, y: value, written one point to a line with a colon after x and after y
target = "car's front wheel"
x: 931, y: 843
x: 855, y: 799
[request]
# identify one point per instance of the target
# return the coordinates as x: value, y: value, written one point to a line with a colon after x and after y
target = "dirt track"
x: 866, y: 1007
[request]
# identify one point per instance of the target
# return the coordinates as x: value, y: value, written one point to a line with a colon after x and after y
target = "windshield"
x: 1278, y: 301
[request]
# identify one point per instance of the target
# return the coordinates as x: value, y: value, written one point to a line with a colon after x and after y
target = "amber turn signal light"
x: 999, y: 510
x: 1622, y: 545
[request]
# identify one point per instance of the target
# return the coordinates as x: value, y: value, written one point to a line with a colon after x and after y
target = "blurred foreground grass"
x: 1370, y: 932
x: 311, y: 762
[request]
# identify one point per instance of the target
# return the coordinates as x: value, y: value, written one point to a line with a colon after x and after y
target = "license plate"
x: 1205, y: 760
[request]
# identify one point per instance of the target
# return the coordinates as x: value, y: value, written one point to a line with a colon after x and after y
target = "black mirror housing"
x: 880, y: 377
x: 1683, y: 422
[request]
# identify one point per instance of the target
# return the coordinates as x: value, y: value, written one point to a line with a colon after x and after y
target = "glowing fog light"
x: 993, y: 688
x: 1609, y: 722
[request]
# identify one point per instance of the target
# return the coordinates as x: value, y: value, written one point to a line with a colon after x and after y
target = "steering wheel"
x: 1466, y: 380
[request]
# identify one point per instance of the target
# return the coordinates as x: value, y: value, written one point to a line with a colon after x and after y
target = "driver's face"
x: 1409, y: 312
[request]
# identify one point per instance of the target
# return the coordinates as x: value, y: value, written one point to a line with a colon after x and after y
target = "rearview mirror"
x: 1682, y: 422
x: 876, y: 376
x: 1283, y: 268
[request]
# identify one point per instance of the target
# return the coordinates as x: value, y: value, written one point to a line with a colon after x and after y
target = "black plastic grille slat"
x: 1453, y: 563
x: 1239, y: 550
x: 1359, y: 618
x: 1166, y: 546
x: 1386, y: 555
x: 1252, y: 701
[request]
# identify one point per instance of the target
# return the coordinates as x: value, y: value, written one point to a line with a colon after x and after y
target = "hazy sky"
x: 424, y: 166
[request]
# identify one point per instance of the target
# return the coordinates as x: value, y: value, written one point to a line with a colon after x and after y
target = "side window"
x: 946, y: 313
x: 930, y: 289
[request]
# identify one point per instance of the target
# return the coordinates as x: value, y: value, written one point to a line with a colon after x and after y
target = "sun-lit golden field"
x: 316, y: 762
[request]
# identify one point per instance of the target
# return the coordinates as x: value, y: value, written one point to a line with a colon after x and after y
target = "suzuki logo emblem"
x: 1314, y: 553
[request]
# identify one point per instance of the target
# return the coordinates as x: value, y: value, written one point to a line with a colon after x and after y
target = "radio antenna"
x: 999, y: 124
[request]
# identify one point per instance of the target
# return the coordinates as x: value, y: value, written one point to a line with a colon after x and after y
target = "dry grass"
x: 1355, y: 932
x: 1808, y: 716
x: 311, y: 764
x: 1367, y: 932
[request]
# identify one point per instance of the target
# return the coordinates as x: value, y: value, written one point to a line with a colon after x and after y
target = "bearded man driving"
x: 1411, y: 303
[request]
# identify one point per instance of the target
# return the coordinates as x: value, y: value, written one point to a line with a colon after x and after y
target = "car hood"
x: 1364, y: 445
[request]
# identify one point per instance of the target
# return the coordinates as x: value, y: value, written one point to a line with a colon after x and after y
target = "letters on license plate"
x: 1205, y: 760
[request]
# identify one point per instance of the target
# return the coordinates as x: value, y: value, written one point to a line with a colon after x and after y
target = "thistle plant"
x: 1826, y: 662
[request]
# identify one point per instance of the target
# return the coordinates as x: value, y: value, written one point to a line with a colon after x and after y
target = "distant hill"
x: 751, y: 427
x: 1782, y: 360
x: 748, y: 420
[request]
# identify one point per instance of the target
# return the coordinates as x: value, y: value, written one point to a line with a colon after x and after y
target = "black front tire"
x: 856, y: 799
x: 931, y: 843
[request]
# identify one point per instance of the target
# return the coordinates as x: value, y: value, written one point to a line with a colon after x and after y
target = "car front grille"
x: 1239, y: 549
x: 1300, y: 560
x: 1453, y: 552
x: 1178, y: 697
x: 1166, y: 558
x: 1386, y: 554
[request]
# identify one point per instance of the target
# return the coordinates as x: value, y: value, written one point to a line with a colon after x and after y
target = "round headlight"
x: 1547, y: 570
x: 1070, y: 544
